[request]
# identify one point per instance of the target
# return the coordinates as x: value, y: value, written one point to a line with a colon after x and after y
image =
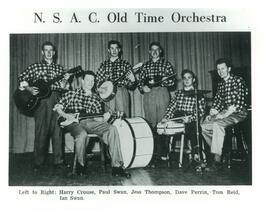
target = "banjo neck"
x: 135, y: 70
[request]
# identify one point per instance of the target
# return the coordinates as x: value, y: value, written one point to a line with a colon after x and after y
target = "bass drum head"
x: 136, y: 141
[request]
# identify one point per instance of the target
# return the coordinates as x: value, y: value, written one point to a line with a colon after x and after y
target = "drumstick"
x: 179, y: 118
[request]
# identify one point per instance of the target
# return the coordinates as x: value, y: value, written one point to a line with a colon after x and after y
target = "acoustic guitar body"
x: 44, y: 89
x: 28, y: 103
x: 154, y: 80
x: 25, y: 102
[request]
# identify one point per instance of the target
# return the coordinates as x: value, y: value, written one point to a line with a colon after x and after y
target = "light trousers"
x: 155, y: 104
x: 107, y: 132
x: 121, y: 102
x: 213, y: 131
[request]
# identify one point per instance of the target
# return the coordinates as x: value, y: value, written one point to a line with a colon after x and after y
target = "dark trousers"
x: 46, y: 128
x: 190, y: 134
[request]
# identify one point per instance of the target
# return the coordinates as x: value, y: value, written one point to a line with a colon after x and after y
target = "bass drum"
x: 136, y: 141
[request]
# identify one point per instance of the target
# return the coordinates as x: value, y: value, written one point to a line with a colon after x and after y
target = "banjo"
x: 108, y: 89
x: 77, y: 117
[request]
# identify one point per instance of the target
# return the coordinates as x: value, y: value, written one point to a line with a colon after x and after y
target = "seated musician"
x: 229, y: 108
x: 84, y: 99
x: 184, y: 104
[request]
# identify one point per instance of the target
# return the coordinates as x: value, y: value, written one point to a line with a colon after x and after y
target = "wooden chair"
x: 235, y: 141
x: 101, y: 150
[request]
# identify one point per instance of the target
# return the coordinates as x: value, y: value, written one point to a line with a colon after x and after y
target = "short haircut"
x: 191, y: 73
x: 47, y: 43
x: 118, y: 44
x: 114, y: 42
x: 187, y: 71
x: 157, y: 43
x: 224, y: 60
x: 88, y: 72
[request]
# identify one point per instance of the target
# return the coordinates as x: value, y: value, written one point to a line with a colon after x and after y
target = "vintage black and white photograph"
x: 130, y: 109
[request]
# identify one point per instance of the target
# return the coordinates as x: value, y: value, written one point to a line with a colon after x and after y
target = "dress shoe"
x: 80, y: 170
x: 215, y: 167
x: 37, y: 168
x: 120, y: 172
x: 60, y: 166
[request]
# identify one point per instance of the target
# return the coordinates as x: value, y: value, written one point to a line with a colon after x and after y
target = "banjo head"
x: 106, y: 90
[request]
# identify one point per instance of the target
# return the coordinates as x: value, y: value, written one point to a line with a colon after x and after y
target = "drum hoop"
x: 166, y: 127
x: 151, y: 131
x: 134, y: 143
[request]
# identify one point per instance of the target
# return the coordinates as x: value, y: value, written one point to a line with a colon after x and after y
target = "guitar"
x: 76, y: 118
x: 155, y: 81
x: 107, y: 89
x: 28, y: 103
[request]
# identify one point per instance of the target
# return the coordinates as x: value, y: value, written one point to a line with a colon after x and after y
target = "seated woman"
x: 184, y: 104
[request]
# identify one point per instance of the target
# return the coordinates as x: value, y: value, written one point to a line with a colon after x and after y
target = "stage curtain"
x: 185, y: 50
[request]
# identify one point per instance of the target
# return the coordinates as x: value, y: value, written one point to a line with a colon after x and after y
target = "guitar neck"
x: 113, y: 114
x: 72, y: 71
x: 90, y: 116
x: 159, y: 82
x: 135, y: 70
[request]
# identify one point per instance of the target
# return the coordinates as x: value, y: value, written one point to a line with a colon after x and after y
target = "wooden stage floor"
x: 22, y: 174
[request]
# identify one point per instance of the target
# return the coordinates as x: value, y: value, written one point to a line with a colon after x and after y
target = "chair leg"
x: 169, y: 150
x: 102, y: 153
x: 181, y: 151
x: 74, y: 162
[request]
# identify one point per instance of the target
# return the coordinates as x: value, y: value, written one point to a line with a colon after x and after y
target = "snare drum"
x: 136, y: 141
x: 170, y: 128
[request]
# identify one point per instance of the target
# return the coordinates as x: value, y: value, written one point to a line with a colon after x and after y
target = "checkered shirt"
x: 109, y: 70
x: 232, y: 92
x: 77, y: 101
x: 42, y: 70
x: 185, y: 104
x: 152, y: 69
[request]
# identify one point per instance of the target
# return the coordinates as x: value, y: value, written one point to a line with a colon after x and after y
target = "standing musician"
x: 184, y: 104
x: 86, y: 101
x: 112, y: 69
x: 45, y: 119
x: 156, y: 96
x: 229, y: 108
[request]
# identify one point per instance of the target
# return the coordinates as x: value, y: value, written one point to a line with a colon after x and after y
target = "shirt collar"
x: 114, y: 60
x: 228, y: 79
x: 45, y: 62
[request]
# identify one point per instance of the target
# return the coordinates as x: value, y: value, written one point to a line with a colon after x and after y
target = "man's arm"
x: 141, y: 78
x: 101, y: 77
x: 172, y: 107
x: 217, y: 104
x: 169, y: 71
x: 241, y: 95
x: 27, y: 76
x: 63, y: 103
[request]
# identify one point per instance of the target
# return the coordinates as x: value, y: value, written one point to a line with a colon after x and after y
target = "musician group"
x: 155, y: 79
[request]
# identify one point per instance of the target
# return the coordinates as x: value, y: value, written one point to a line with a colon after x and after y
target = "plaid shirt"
x: 186, y: 104
x: 231, y: 92
x: 109, y: 70
x: 152, y: 69
x: 77, y: 101
x: 42, y: 70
